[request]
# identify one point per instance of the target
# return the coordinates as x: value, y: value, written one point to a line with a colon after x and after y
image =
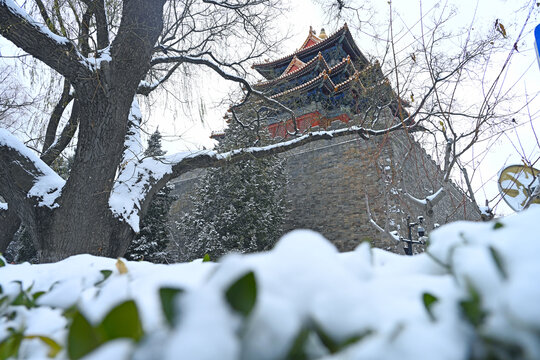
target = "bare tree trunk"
x: 9, y: 223
x: 81, y: 221
x: 84, y: 223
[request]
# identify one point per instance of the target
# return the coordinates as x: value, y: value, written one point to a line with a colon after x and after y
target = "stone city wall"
x: 328, y: 182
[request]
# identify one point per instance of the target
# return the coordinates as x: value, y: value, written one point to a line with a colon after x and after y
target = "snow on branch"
x: 95, y: 61
x: 133, y: 145
x: 139, y: 180
x: 432, y: 199
x: 132, y: 173
x: 391, y: 234
x: 26, y: 173
x: 15, y: 9
x: 38, y: 40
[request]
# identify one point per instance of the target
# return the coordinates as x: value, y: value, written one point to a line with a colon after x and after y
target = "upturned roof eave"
x: 262, y: 68
x: 310, y: 65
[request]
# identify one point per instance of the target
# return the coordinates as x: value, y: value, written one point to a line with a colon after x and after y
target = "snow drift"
x: 474, y: 294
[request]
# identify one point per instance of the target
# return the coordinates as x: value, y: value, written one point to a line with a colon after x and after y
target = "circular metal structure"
x: 516, y: 184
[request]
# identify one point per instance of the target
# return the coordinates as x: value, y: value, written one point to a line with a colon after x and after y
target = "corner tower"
x: 327, y: 79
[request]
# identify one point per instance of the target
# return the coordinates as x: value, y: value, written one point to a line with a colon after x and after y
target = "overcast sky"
x: 523, y: 75
x: 191, y: 129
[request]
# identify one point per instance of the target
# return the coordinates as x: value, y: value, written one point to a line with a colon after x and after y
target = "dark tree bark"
x: 9, y: 223
x: 83, y: 222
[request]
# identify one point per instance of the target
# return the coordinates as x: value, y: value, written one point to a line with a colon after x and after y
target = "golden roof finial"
x: 322, y: 34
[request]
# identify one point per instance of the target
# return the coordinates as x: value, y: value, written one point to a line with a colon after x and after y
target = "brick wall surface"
x: 328, y: 182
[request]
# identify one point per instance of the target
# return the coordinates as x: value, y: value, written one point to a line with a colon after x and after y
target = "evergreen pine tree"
x: 239, y: 207
x: 153, y: 237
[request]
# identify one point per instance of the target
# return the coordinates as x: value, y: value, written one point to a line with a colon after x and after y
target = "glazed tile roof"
x: 321, y: 79
x: 343, y: 32
x: 288, y: 76
x: 354, y: 78
x: 314, y: 39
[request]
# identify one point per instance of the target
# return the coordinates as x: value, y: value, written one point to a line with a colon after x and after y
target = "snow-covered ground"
x: 475, y: 293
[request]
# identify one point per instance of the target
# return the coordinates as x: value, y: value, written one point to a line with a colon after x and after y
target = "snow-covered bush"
x: 474, y: 294
x: 240, y: 207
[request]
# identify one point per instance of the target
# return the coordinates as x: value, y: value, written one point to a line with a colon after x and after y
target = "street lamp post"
x: 421, y: 232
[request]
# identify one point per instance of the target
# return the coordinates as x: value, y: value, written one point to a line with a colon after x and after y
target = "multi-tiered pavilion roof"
x: 328, y: 78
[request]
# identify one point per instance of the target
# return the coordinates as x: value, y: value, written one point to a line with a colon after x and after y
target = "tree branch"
x: 138, y: 181
x: 37, y: 40
x: 388, y: 234
x: 58, y: 110
x: 29, y: 186
x: 101, y: 24
x: 26, y: 179
x: 45, y: 16
x: 65, y: 137
x: 145, y: 88
x: 228, y: 5
x: 247, y: 86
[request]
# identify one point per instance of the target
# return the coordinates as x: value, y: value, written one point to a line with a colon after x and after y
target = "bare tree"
x: 106, y: 56
x: 453, y: 121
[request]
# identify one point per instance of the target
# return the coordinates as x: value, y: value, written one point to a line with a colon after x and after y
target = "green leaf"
x: 106, y: 274
x: 497, y: 258
x: 206, y: 258
x: 2, y: 261
x: 429, y: 300
x: 297, y: 351
x: 9, y: 348
x: 328, y: 342
x: 497, y: 225
x: 354, y: 339
x: 242, y: 295
x: 37, y: 295
x: 54, y: 347
x: 336, y: 346
x: 82, y: 337
x: 122, y: 322
x: 472, y: 307
x: 22, y: 299
x: 167, y: 296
